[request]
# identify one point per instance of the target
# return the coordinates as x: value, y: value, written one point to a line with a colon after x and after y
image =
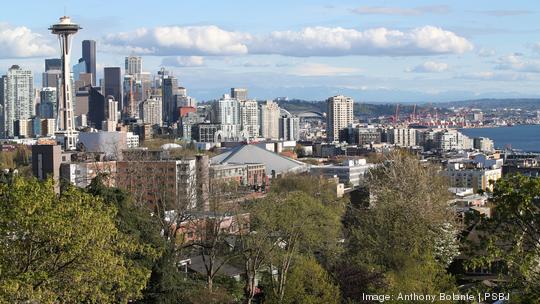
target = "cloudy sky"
x: 405, y: 51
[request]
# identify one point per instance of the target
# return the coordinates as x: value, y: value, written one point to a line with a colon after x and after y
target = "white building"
x: 132, y: 140
x: 289, y: 126
x: 151, y: 111
x: 133, y: 65
x: 466, y: 177
x: 16, y: 99
x: 269, y: 114
x: 350, y: 172
x: 249, y: 117
x: 226, y: 111
x: 339, y: 116
x: 403, y: 137
x: 484, y: 144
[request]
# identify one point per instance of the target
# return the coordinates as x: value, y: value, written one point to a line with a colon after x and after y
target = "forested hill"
x: 360, y: 108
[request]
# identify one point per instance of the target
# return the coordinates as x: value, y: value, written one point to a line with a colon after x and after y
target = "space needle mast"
x: 65, y: 125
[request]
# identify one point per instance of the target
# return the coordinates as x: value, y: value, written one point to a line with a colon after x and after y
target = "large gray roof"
x: 250, y: 154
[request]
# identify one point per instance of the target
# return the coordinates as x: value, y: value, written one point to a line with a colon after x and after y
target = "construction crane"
x: 413, y: 115
x: 396, y: 116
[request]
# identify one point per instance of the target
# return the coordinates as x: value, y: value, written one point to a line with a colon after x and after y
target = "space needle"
x: 65, y: 124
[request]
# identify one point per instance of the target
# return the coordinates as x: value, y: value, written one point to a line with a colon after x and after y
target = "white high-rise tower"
x: 65, y: 127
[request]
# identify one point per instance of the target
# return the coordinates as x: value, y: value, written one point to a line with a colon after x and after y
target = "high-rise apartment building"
x: 226, y: 111
x: 269, y: 120
x: 249, y: 117
x: 239, y: 93
x: 17, y: 101
x: 289, y: 127
x: 339, y: 116
x: 89, y: 57
x: 112, y: 83
x: 150, y: 111
x: 47, y: 105
x: 133, y: 65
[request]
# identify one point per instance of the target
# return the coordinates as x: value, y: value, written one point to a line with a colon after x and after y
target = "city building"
x: 169, y: 88
x: 463, y: 176
x: 350, y: 172
x: 239, y: 94
x: 53, y: 64
x: 339, y: 116
x: 112, y: 83
x: 46, y: 161
x: 364, y: 135
x: 170, y: 182
x: 47, y: 105
x: 16, y: 100
x: 89, y: 58
x: 289, y: 126
x: 269, y: 121
x: 402, y: 137
x: 81, y: 173
x: 249, y: 117
x: 150, y: 111
x: 133, y: 65
x: 483, y: 144
x: 275, y: 164
x: 96, y: 108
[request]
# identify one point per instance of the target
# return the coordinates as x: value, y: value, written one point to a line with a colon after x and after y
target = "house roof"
x: 247, y: 154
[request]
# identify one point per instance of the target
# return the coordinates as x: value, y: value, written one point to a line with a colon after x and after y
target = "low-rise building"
x: 350, y: 172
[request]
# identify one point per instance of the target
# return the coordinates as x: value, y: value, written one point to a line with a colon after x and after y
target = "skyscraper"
x: 18, y: 98
x: 289, y: 127
x: 53, y: 64
x: 133, y: 65
x: 47, y: 105
x: 226, y: 111
x: 170, y: 86
x: 96, y: 107
x: 150, y: 111
x: 66, y: 121
x: 112, y: 83
x: 270, y: 114
x: 339, y: 115
x: 249, y: 117
x: 239, y: 93
x: 89, y: 57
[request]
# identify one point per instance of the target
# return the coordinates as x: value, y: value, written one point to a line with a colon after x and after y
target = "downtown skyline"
x: 394, y: 51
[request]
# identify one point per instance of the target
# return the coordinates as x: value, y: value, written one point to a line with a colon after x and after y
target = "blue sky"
x: 404, y: 51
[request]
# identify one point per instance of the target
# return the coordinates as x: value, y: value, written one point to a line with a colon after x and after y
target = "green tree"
x: 64, y: 248
x: 309, y: 283
x: 405, y: 228
x: 298, y: 224
x: 512, y: 235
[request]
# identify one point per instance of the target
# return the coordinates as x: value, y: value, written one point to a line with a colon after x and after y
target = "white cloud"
x: 310, y: 41
x: 504, y: 13
x: 183, y: 61
x: 176, y: 40
x: 517, y: 62
x: 484, y: 52
x: 429, y: 67
x: 496, y: 76
x: 400, y: 11
x: 20, y: 42
x: 319, y: 69
x: 338, y: 41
